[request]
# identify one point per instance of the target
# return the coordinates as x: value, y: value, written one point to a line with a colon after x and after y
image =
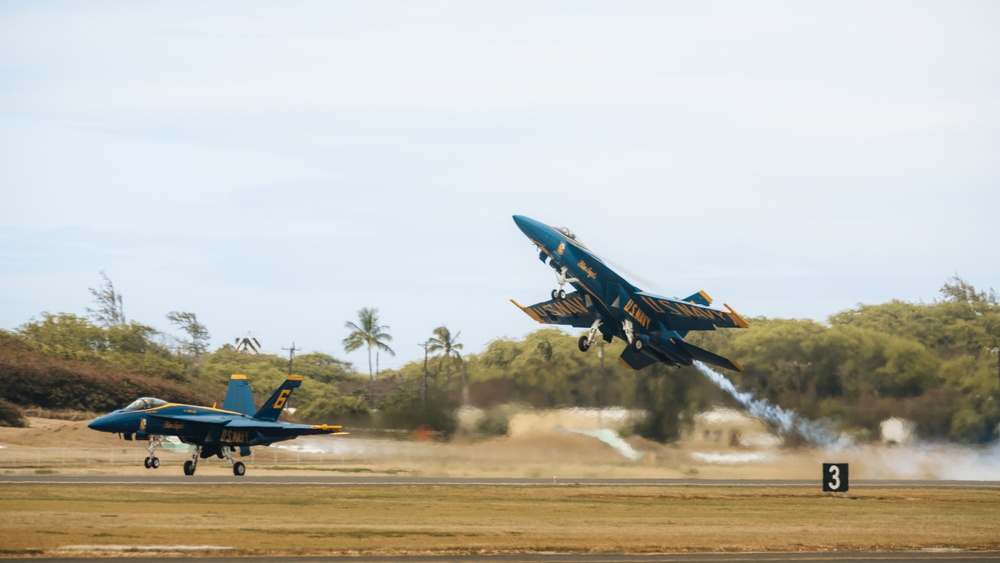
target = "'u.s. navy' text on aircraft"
x: 210, y: 430
x: 654, y: 327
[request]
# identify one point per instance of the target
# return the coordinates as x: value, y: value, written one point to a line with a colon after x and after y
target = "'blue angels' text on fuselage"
x: 653, y: 326
x: 211, y: 431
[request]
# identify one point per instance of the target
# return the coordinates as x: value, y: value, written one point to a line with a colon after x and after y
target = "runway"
x: 167, y: 479
x: 827, y: 557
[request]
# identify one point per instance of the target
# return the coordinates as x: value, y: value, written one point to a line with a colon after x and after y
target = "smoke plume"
x: 816, y: 433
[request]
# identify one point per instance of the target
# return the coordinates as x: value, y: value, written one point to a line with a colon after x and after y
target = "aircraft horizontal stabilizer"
x: 702, y: 355
x: 635, y: 360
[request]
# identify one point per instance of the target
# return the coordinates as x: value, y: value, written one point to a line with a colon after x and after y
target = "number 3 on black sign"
x: 834, y: 477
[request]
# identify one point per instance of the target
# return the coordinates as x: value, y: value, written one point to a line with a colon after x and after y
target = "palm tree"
x: 370, y: 334
x: 448, y: 345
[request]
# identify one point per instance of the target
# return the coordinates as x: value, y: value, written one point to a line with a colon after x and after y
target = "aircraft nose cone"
x: 527, y: 225
x: 100, y: 423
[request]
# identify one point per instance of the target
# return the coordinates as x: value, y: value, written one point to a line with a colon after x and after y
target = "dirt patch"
x: 55, y: 433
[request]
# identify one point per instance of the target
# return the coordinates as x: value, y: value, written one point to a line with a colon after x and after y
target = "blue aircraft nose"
x: 104, y: 423
x: 530, y: 227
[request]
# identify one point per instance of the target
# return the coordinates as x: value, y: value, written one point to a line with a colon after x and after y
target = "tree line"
x: 936, y: 364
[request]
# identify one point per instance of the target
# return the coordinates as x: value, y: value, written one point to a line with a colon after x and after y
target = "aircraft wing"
x: 265, y: 427
x: 571, y: 310
x: 269, y: 428
x: 687, y: 315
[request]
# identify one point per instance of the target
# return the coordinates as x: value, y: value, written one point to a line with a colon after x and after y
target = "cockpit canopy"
x: 566, y: 232
x: 145, y: 403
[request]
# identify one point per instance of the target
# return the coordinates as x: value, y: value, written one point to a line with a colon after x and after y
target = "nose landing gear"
x: 153, y: 462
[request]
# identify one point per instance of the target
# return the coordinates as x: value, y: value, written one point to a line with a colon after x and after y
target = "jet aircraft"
x: 210, y: 430
x: 653, y: 327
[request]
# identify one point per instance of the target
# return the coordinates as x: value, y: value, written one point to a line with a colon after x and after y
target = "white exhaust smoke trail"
x: 813, y: 432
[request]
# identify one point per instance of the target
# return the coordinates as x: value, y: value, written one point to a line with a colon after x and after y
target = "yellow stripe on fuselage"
x: 213, y: 409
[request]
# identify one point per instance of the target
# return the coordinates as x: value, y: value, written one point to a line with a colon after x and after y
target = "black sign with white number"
x: 834, y: 477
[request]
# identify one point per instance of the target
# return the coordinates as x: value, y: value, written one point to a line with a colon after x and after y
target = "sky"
x: 275, y: 167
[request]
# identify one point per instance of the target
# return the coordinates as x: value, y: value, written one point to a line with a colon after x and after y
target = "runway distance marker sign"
x: 835, y: 478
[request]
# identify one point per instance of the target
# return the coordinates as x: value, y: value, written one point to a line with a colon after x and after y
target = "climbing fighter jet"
x: 653, y: 327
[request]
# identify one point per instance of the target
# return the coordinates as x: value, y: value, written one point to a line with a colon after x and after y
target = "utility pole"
x: 291, y: 356
x: 996, y: 351
x: 465, y: 384
x: 423, y: 396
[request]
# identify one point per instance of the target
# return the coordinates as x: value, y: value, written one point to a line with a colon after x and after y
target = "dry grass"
x: 444, y: 520
x: 312, y: 520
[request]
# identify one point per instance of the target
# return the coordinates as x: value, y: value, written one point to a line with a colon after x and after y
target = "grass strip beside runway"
x: 395, y: 520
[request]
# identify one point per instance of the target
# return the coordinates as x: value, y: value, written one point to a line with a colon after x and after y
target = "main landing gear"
x: 634, y: 342
x: 562, y: 280
x: 192, y: 464
x: 631, y: 337
x: 153, y: 462
x: 239, y: 469
x: 588, y: 339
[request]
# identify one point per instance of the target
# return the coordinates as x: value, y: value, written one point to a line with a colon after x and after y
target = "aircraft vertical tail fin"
x: 701, y: 298
x: 271, y: 409
x: 239, y: 397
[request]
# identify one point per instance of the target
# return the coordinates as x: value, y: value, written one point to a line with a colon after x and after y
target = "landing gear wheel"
x: 562, y: 294
x: 239, y: 469
x: 148, y: 463
x: 189, y: 467
x: 555, y: 294
x: 584, y: 343
x: 154, y: 462
x: 638, y: 344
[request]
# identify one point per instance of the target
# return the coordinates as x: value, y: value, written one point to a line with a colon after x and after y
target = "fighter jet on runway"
x: 210, y: 430
x: 654, y: 327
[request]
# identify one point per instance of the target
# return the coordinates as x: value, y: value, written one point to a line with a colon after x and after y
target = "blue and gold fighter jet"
x: 653, y: 327
x: 212, y: 431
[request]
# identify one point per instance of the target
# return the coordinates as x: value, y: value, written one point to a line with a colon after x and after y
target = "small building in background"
x: 563, y: 420
x: 248, y: 345
x: 721, y: 428
x: 898, y: 431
